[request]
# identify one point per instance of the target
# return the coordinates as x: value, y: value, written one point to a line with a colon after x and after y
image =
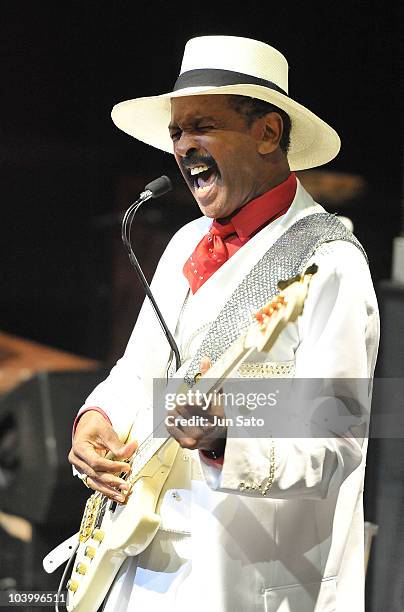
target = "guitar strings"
x: 135, y: 457
x: 125, y: 475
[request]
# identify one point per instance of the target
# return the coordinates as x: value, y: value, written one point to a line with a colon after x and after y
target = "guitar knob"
x: 81, y: 568
x: 72, y: 585
x: 90, y: 552
x: 98, y: 535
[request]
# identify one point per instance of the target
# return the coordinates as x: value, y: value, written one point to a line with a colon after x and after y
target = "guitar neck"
x: 223, y: 368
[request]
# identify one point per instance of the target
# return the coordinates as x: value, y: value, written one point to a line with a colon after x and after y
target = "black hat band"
x: 216, y: 77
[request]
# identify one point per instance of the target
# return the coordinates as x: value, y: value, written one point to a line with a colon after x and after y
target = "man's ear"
x: 272, y: 130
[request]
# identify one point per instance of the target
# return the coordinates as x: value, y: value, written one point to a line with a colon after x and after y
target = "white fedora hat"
x: 239, y: 66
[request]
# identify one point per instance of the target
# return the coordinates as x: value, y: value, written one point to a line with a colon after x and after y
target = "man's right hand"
x: 93, y: 438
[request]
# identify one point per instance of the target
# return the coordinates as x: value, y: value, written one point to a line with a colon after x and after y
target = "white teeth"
x: 198, y: 170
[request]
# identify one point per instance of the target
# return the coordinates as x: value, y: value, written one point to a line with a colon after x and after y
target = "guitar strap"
x: 286, y: 258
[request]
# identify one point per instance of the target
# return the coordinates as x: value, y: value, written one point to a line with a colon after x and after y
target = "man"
x: 248, y: 524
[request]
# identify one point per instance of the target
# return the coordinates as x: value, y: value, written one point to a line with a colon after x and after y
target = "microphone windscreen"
x: 159, y: 186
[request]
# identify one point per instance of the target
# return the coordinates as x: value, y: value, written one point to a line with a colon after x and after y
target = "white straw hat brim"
x: 312, y: 141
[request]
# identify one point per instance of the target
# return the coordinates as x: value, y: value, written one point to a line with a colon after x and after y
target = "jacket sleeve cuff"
x: 207, y: 458
x: 86, y: 409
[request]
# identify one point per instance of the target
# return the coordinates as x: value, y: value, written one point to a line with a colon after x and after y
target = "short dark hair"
x: 253, y: 109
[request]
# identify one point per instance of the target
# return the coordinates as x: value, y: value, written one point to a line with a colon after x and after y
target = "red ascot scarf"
x: 223, y: 240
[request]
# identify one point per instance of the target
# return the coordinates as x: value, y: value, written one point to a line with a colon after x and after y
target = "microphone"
x: 159, y: 186
x: 154, y: 189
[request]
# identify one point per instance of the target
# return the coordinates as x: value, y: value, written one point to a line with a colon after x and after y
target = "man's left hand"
x: 197, y: 425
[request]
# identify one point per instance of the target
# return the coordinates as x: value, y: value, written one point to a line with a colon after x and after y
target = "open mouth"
x: 202, y: 177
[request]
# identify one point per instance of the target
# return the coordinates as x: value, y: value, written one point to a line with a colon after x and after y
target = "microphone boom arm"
x: 126, y: 230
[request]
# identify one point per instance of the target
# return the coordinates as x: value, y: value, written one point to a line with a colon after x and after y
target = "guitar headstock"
x: 286, y: 306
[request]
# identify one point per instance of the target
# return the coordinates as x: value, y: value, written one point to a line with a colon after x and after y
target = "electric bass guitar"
x: 110, y: 532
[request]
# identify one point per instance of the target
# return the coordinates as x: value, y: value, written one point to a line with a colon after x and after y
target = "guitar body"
x: 123, y: 531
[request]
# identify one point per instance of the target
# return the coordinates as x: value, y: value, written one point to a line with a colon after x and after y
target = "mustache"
x: 196, y: 159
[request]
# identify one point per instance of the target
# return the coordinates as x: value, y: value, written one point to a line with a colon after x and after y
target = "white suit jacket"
x: 222, y: 546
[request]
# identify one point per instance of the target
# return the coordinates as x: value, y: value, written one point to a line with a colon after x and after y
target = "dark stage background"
x: 66, y: 171
x: 64, y: 164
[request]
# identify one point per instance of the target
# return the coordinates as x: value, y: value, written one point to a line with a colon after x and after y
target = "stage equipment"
x: 38, y: 415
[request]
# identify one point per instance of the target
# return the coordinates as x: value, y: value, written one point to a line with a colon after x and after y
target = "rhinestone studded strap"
x: 286, y: 258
